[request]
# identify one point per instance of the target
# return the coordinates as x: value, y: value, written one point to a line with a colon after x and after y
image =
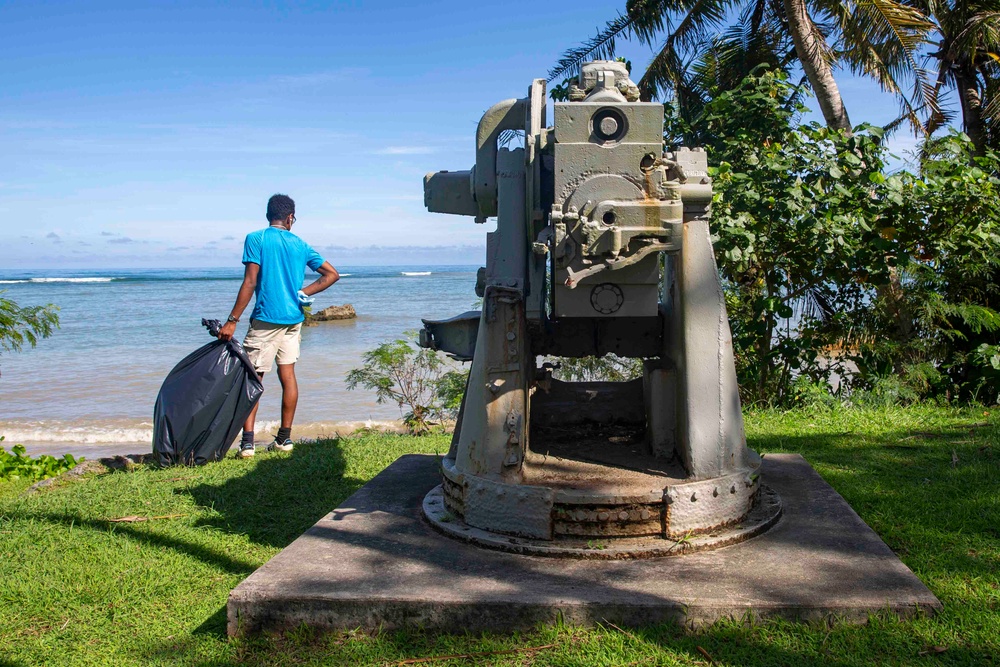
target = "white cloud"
x: 406, y: 150
x: 315, y: 79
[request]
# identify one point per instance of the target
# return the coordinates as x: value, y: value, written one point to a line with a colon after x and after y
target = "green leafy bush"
x: 941, y: 309
x: 414, y: 378
x: 16, y: 464
x: 450, y: 390
x: 834, y: 268
x: 609, y: 368
x: 795, y: 229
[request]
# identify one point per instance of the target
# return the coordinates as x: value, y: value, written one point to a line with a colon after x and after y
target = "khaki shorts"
x: 266, y: 342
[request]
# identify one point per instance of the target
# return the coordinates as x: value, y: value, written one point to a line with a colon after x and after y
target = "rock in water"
x: 345, y: 312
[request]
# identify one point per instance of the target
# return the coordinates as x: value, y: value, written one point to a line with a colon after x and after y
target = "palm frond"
x: 880, y: 39
x: 664, y: 71
x: 979, y: 36
x: 645, y: 19
x: 600, y: 46
x: 991, y: 99
x: 687, y: 23
x: 756, y: 39
x: 698, y: 17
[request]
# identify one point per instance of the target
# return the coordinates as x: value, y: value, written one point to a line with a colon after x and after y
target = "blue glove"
x: 305, y: 299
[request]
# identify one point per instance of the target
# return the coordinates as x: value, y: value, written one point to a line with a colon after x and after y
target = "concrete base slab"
x: 375, y: 562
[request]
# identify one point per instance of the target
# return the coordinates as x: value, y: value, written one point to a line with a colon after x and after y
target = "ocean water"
x: 96, y: 379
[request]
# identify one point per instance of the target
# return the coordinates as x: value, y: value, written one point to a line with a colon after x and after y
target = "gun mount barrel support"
x: 506, y: 115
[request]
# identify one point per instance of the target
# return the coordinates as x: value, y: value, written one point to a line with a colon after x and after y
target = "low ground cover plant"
x: 16, y: 464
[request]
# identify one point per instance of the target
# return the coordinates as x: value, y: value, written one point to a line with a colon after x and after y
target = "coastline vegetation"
x: 87, y: 581
x: 417, y: 379
x: 25, y: 325
x: 16, y: 464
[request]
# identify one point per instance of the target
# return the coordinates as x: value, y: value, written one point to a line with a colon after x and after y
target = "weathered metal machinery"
x: 601, y: 247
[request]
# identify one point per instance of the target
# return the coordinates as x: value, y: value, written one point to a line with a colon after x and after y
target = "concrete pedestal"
x: 374, y: 561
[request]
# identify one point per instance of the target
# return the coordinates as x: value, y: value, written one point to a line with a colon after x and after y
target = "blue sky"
x: 152, y: 134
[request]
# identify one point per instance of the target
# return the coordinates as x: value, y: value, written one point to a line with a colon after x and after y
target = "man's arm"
x: 242, y: 299
x: 327, y: 276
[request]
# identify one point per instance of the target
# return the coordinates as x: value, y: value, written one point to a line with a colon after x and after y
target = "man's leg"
x: 261, y: 346
x: 246, y: 442
x: 248, y: 424
x: 289, y: 400
x: 288, y: 354
x: 289, y: 393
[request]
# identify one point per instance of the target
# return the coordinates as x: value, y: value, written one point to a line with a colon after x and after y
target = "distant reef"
x: 345, y: 312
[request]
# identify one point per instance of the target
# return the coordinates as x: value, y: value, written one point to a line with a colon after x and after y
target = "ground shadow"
x: 216, y: 559
x: 214, y: 625
x: 938, y: 481
x: 281, y: 495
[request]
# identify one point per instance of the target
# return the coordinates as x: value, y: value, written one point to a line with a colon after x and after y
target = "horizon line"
x: 204, y: 268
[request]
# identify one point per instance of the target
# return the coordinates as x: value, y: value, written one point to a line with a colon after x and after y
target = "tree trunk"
x: 894, y: 300
x: 972, y: 108
x: 817, y: 70
x: 764, y: 345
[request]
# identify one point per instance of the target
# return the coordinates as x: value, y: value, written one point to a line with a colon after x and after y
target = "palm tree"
x: 816, y: 60
x: 877, y: 38
x: 966, y: 35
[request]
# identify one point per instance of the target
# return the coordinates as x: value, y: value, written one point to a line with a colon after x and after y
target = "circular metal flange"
x: 763, y: 516
x: 607, y: 298
x: 609, y: 125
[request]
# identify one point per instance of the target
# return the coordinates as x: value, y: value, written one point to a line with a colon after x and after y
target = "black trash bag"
x: 203, y: 403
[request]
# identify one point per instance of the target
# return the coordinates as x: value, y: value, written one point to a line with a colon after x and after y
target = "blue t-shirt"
x: 283, y: 258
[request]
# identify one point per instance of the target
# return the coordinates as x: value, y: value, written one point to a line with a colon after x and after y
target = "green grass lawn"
x: 77, y: 588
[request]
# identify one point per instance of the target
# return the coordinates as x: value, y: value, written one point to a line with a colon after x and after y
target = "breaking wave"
x: 96, y: 279
x: 137, y: 431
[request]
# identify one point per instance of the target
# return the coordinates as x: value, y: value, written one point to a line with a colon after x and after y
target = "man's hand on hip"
x: 227, y: 331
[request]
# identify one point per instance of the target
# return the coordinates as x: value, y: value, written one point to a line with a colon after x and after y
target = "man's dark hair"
x: 280, y: 207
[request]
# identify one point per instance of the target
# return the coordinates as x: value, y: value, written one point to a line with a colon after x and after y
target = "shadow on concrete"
x: 281, y: 496
x: 384, y: 565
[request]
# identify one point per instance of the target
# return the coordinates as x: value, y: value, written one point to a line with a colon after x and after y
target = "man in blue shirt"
x: 275, y: 263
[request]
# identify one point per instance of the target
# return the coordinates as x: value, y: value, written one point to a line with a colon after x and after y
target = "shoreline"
x: 90, y: 445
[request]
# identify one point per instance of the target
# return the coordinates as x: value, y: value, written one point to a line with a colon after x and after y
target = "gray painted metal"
x: 456, y: 336
x: 450, y: 192
x: 592, y: 204
x: 520, y: 510
x: 506, y: 115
